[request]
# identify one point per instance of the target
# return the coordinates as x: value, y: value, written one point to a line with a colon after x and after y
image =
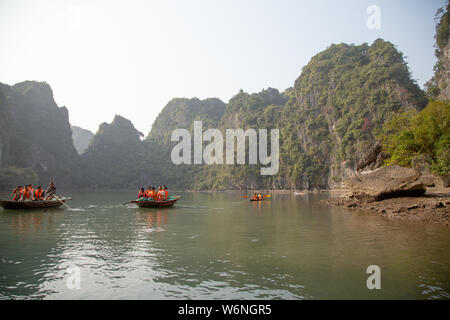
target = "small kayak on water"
x: 30, y: 204
x: 150, y: 203
x: 263, y: 198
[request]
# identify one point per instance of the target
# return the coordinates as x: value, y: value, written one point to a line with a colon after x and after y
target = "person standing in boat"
x: 51, y: 191
x: 17, y: 193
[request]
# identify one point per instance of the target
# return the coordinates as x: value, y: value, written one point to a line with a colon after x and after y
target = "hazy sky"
x: 103, y: 58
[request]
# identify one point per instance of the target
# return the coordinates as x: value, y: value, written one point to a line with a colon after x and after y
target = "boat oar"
x: 57, y: 198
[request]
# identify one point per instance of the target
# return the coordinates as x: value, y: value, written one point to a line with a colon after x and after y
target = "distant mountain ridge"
x: 81, y: 138
x: 327, y: 121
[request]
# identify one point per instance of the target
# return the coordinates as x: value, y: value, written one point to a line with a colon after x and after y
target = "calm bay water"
x: 218, y: 246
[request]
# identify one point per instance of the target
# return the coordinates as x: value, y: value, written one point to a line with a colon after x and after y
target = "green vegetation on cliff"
x: 327, y: 121
x: 425, y: 133
x: 342, y: 96
x: 438, y: 87
x: 178, y: 113
x: 114, y: 157
x: 11, y: 177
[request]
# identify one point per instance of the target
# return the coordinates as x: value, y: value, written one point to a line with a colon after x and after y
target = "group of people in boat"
x: 257, y: 196
x: 160, y: 194
x: 28, y: 193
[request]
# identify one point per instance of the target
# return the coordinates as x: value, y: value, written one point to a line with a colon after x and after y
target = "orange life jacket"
x: 148, y: 193
x: 28, y: 193
x: 38, y: 194
x: 166, y: 194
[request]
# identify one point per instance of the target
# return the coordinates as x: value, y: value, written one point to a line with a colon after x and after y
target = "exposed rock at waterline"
x: 386, y: 182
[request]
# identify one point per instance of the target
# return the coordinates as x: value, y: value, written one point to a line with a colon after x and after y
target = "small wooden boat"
x: 54, y: 203
x: 146, y: 203
x: 264, y: 197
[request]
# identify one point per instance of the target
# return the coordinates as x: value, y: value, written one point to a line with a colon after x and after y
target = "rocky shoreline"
x: 432, y: 207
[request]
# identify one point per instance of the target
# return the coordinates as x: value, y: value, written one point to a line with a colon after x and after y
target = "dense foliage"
x: 10, y: 177
x: 114, y: 157
x: 425, y: 133
x: 327, y: 121
x: 438, y: 86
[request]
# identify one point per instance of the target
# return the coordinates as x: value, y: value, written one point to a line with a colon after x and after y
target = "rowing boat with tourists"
x: 27, y: 197
x: 154, y: 197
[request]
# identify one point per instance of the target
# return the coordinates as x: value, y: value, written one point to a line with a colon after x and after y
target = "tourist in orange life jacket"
x: 166, y: 193
x: 141, y: 193
x: 255, y: 196
x: 154, y: 193
x: 24, y: 192
x: 148, y: 192
x: 17, y: 193
x: 39, y: 194
x: 160, y: 194
x: 28, y: 192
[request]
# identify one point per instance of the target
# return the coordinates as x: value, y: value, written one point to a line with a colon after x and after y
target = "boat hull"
x: 257, y: 199
x: 154, y: 204
x: 9, y: 204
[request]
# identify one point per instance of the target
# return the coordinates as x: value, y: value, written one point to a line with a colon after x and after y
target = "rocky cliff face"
x: 81, y: 138
x: 443, y: 54
x: 439, y: 86
x: 38, y: 135
x: 114, y: 157
x: 327, y: 121
x: 178, y: 113
x: 7, y: 130
x: 342, y: 97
